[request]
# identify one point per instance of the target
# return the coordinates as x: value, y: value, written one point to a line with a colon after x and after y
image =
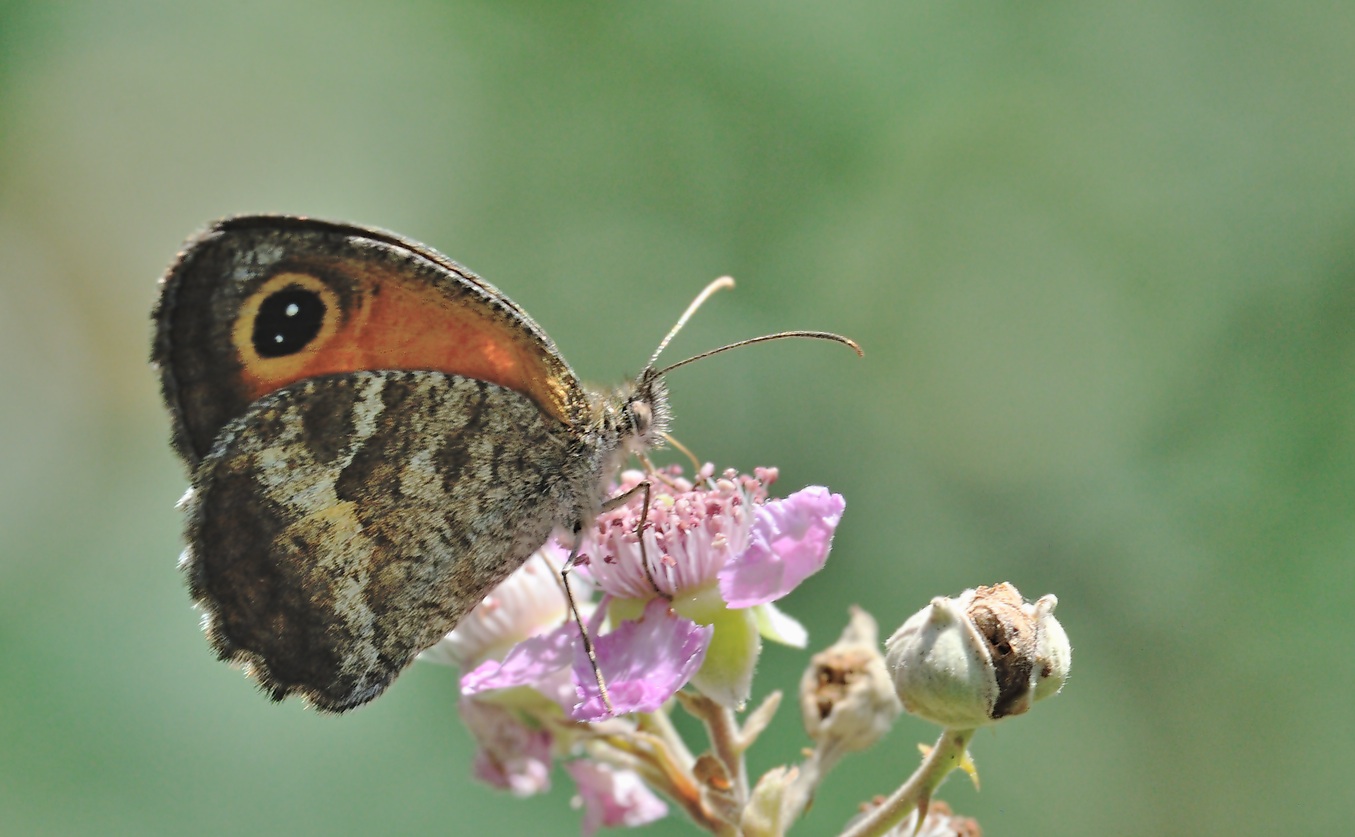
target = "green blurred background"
x: 1099, y: 255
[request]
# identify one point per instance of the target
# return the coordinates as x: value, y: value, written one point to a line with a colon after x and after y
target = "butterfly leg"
x: 578, y: 620
x: 620, y: 500
x: 610, y: 504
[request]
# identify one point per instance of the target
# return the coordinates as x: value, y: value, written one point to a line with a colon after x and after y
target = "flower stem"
x: 917, y: 791
x: 724, y: 735
x: 660, y: 725
x: 650, y: 756
x: 725, y: 738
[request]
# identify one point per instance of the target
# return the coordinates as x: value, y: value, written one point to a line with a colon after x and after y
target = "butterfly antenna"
x: 718, y: 285
x: 813, y: 335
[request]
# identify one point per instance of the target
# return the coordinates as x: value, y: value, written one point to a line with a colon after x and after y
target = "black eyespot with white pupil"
x: 287, y: 322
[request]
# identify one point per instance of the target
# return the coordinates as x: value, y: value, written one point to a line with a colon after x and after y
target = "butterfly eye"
x: 641, y: 416
x: 287, y: 321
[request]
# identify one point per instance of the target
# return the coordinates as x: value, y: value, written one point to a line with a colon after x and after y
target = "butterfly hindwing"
x: 344, y: 523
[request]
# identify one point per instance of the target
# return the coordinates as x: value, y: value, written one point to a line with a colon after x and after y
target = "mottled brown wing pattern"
x: 345, y: 523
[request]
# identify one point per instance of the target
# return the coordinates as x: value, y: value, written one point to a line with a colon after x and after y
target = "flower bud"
x: 845, y: 694
x: 978, y: 658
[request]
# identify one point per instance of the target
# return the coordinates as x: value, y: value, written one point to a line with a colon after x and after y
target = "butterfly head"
x: 639, y: 413
x: 635, y: 416
x: 644, y: 412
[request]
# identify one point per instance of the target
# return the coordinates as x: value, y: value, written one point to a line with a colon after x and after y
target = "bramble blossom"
x: 693, y: 604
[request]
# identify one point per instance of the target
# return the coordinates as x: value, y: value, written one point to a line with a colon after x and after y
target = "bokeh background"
x: 1100, y: 257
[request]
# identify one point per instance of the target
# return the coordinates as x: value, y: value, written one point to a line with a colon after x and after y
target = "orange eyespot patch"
x: 295, y: 326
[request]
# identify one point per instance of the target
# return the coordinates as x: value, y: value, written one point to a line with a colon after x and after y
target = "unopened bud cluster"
x: 978, y: 658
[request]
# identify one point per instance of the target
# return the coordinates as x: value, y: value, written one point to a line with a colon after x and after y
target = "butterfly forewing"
x: 378, y: 302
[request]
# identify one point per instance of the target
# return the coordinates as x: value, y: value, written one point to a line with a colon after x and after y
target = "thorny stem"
x: 917, y: 791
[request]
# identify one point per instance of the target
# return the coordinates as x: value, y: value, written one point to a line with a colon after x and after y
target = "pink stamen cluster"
x: 690, y: 533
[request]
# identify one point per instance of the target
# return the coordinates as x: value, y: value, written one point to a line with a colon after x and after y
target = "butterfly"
x: 375, y: 438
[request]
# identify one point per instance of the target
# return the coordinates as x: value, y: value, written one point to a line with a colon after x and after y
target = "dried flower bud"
x: 846, y: 697
x: 978, y: 658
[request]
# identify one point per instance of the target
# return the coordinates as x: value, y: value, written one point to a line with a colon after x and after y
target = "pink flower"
x: 691, y: 606
x: 721, y: 554
x: 716, y: 555
x: 517, y: 730
x: 540, y: 662
x: 528, y: 603
x: 510, y: 755
x: 644, y: 661
x: 612, y: 797
x: 789, y: 543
